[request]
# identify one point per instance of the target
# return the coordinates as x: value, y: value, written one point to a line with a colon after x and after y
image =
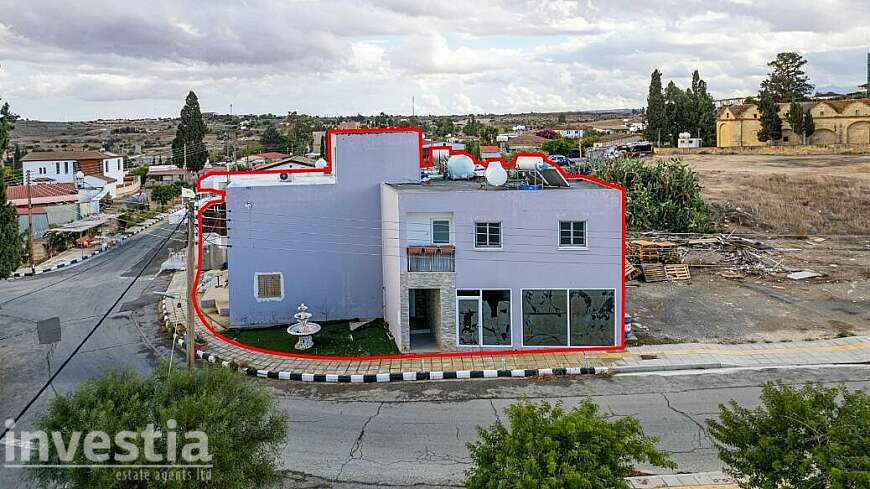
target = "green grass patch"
x: 334, y: 338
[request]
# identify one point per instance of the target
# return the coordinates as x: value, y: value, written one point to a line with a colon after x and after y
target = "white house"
x: 571, y: 133
x: 98, y: 169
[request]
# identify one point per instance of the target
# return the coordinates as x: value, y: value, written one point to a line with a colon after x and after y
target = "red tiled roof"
x: 489, y: 149
x: 41, y: 190
x: 167, y: 172
x: 271, y: 155
x: 63, y: 155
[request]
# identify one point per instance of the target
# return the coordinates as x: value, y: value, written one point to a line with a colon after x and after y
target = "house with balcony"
x: 450, y: 264
x: 87, y: 169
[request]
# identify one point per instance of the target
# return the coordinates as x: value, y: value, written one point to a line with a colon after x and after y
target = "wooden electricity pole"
x: 29, y: 221
x: 191, y: 286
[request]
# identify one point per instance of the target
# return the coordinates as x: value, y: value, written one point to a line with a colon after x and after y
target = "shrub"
x: 244, y: 428
x: 547, y: 447
x: 801, y: 438
x: 664, y: 196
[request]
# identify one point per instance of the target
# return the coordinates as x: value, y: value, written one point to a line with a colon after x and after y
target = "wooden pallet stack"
x: 659, y: 261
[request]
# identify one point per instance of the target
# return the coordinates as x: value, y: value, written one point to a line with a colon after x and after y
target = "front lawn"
x: 334, y: 338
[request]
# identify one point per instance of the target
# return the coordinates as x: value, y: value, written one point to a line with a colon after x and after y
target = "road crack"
x: 702, y: 431
x: 356, y: 449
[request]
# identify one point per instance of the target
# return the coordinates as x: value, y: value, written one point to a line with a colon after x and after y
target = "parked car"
x: 560, y: 160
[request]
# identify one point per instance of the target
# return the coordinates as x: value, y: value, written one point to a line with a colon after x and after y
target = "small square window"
x: 269, y: 286
x: 572, y: 234
x: 487, y: 235
x: 440, y: 231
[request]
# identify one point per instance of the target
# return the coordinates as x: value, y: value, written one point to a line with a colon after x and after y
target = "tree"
x: 11, y: 244
x: 487, y: 134
x: 704, y: 118
x: 795, y: 118
x: 443, y: 127
x: 812, y: 437
x: 809, y: 126
x: 562, y: 118
x: 139, y: 171
x: 771, y: 124
x: 547, y: 133
x: 547, y: 447
x: 272, y: 140
x: 245, y: 429
x: 473, y: 147
x: 472, y: 127
x: 655, y: 108
x: 299, y: 133
x: 559, y: 146
x: 189, y: 136
x: 787, y: 81
x: 678, y: 113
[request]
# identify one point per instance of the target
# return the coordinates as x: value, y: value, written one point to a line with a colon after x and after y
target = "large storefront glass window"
x: 545, y: 318
x: 484, y: 317
x: 496, y: 316
x: 592, y: 313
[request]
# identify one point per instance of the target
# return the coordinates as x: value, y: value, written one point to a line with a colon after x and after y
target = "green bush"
x: 664, y: 196
x: 813, y: 437
x: 547, y: 447
x: 245, y: 429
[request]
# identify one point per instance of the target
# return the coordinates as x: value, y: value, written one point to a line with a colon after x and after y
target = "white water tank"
x: 460, y: 167
x: 495, y: 174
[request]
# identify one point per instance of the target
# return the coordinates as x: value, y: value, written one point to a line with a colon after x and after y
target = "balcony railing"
x: 431, y: 258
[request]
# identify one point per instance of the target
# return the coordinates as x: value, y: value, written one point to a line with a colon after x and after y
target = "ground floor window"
x: 483, y: 317
x: 269, y: 286
x: 560, y: 317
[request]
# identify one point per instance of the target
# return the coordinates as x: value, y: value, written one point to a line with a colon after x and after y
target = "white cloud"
x: 99, y: 58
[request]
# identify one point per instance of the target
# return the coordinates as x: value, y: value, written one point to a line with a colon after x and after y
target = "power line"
x: 87, y: 337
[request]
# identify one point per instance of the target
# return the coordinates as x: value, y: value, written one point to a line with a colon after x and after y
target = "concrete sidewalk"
x: 683, y: 356
x: 706, y: 480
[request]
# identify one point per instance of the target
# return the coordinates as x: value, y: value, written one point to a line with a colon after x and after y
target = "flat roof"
x: 444, y: 185
x: 273, y: 180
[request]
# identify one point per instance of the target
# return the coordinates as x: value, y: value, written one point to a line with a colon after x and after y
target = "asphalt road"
x: 414, y: 434
x: 402, y: 434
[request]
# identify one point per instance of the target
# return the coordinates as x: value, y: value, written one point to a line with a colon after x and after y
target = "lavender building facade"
x: 449, y: 265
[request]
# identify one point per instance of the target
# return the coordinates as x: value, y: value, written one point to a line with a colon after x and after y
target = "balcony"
x: 435, y: 258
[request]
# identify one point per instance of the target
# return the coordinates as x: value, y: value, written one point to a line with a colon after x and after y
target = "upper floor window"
x: 572, y: 234
x: 57, y: 167
x: 487, y: 235
x: 440, y: 231
x: 66, y: 166
x: 119, y: 165
x: 107, y: 167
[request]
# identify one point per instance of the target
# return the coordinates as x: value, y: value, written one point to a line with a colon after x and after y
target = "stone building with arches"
x: 837, y: 122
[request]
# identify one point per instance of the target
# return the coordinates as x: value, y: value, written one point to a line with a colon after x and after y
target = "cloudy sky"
x: 84, y: 59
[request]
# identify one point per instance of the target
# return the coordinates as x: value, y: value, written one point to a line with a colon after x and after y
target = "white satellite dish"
x: 495, y: 174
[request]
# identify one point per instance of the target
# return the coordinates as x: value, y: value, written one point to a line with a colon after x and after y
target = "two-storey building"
x: 451, y: 265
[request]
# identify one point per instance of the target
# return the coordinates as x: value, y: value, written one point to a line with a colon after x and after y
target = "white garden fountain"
x: 303, y: 330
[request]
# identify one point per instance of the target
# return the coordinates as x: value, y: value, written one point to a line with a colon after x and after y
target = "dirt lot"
x: 816, y: 208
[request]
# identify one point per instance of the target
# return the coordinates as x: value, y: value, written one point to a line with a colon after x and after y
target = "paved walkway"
x: 706, y: 480
x: 855, y: 349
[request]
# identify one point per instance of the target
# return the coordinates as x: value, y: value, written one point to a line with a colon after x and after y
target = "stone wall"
x: 445, y: 283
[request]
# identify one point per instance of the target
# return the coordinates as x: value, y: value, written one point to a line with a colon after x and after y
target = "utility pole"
x: 191, y: 287
x: 29, y: 221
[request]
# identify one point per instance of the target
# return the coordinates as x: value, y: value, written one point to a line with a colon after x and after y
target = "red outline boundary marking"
x: 328, y: 169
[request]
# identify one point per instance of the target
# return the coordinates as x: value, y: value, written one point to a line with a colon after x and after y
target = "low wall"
x: 787, y: 150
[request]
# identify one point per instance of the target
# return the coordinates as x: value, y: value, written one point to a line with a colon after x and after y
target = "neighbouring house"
x: 451, y: 265
x: 488, y: 152
x: 52, y: 204
x: 270, y: 156
x: 836, y: 121
x: 296, y: 161
x: 725, y: 102
x: 525, y: 142
x: 164, y: 174
x: 571, y: 133
x: 94, y: 169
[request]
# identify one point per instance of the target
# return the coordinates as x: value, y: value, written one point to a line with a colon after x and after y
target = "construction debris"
x: 646, y: 251
x: 631, y: 272
x: 677, y: 272
x: 804, y: 274
x: 654, y: 272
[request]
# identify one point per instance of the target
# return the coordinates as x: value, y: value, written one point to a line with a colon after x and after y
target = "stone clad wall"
x: 445, y: 282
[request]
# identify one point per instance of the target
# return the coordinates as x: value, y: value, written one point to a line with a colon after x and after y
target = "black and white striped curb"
x: 382, y: 377
x: 143, y: 226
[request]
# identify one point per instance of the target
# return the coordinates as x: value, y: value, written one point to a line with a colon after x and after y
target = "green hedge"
x: 664, y: 196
